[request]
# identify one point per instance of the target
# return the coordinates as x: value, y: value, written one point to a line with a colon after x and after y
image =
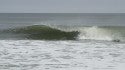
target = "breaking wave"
x: 58, y: 32
x: 103, y: 33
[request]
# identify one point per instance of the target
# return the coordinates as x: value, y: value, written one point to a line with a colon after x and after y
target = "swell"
x: 39, y: 32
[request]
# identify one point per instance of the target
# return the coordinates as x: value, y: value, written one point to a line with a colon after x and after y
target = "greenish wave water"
x: 39, y: 32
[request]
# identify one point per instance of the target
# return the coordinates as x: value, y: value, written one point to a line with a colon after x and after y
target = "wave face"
x: 59, y: 32
x: 39, y: 32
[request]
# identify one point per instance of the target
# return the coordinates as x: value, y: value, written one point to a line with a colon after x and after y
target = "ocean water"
x: 62, y: 41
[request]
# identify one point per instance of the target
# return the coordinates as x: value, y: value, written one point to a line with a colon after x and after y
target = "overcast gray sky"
x: 62, y: 6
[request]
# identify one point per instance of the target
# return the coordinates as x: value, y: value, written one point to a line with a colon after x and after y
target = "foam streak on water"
x: 61, y: 55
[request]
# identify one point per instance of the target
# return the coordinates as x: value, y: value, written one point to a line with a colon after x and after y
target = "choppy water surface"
x: 61, y: 55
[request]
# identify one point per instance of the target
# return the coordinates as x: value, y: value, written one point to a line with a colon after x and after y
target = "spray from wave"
x: 102, y: 33
x: 59, y: 32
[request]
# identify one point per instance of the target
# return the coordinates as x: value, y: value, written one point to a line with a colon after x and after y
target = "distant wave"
x: 58, y: 32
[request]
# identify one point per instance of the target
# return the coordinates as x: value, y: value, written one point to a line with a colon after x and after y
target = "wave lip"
x: 39, y: 32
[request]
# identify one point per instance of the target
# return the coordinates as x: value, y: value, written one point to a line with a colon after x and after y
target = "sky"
x: 62, y: 6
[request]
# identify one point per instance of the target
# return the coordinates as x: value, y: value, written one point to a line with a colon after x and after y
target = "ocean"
x: 62, y: 41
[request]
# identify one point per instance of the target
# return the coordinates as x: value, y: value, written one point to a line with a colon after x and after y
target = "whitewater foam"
x: 95, y: 33
x: 61, y: 55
